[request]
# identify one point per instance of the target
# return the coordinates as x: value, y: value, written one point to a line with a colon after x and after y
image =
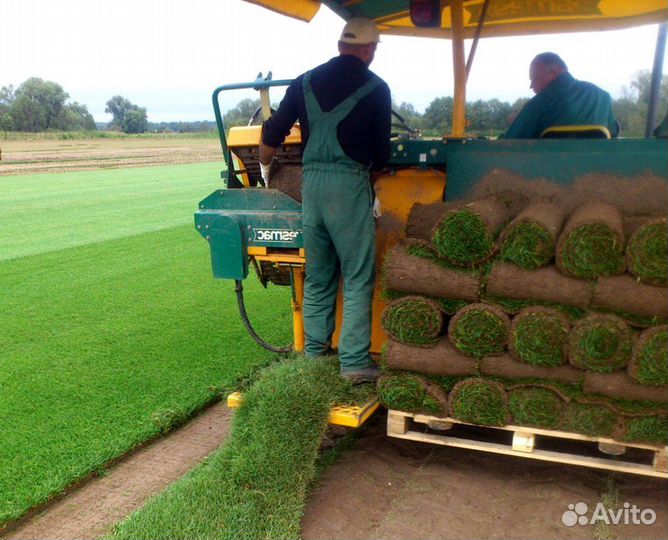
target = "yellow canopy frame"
x: 462, y: 19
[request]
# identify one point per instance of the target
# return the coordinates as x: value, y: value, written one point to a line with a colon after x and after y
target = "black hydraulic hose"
x: 239, y: 289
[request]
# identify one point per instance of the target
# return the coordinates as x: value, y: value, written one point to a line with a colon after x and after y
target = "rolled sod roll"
x: 621, y: 386
x: 413, y: 274
x: 413, y: 320
x: 600, y: 343
x: 443, y: 359
x: 647, y: 252
x: 466, y: 236
x: 423, y: 218
x: 506, y: 366
x: 539, y: 336
x: 649, y: 362
x: 592, y: 242
x: 624, y: 294
x: 535, y: 406
x: 591, y: 419
x: 544, y: 284
x: 651, y: 429
x: 479, y: 401
x: 449, y: 306
x: 479, y: 330
x: 412, y: 393
x: 529, y: 240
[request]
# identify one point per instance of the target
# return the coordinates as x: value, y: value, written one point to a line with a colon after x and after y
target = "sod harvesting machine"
x: 248, y: 224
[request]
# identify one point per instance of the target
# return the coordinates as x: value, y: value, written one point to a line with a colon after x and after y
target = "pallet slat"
x: 399, y: 424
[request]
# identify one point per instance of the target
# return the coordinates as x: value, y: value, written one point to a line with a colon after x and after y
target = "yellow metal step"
x: 339, y: 415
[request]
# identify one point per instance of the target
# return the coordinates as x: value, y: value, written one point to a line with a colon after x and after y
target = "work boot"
x: 359, y: 376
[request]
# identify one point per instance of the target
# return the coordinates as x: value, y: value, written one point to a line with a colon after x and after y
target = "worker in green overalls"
x: 344, y: 111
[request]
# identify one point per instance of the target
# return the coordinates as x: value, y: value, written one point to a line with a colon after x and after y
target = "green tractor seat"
x: 576, y: 132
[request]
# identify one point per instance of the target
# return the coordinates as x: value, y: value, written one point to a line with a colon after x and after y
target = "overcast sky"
x: 169, y: 55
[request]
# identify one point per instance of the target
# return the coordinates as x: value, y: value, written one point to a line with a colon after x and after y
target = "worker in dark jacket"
x: 560, y: 100
x: 344, y: 111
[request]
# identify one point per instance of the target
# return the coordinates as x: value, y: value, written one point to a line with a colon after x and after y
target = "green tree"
x: 631, y: 108
x: 126, y: 116
x: 241, y: 113
x: 37, y: 104
x: 135, y: 120
x: 6, y: 100
x: 75, y: 117
x: 438, y: 114
x: 407, y: 111
x: 641, y: 85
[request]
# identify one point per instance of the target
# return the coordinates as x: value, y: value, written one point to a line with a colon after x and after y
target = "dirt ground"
x: 391, y: 488
x: 45, y: 155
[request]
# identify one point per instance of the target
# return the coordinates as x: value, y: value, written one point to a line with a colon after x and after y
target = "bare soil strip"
x: 46, y: 156
x: 93, y: 508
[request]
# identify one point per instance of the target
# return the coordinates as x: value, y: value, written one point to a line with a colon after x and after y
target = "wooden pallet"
x: 650, y: 460
x: 339, y: 415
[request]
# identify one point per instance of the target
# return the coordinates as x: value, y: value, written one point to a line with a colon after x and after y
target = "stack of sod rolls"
x: 531, y: 316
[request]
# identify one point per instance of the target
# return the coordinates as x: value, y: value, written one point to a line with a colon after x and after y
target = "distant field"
x: 112, y: 327
x: 38, y: 153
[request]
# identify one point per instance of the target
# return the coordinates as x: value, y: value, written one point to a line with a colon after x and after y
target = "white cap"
x: 360, y: 31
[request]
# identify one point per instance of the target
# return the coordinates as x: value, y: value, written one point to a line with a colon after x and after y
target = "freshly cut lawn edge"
x: 255, y: 486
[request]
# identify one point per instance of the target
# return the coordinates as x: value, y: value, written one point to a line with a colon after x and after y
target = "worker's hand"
x: 376, y: 208
x: 264, y: 172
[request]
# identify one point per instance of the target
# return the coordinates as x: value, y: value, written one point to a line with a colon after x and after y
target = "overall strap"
x: 343, y: 109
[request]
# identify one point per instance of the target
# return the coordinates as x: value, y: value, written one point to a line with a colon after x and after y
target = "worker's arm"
x: 276, y: 128
x: 267, y: 153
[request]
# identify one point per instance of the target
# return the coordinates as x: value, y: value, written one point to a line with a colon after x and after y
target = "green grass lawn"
x: 48, y: 212
x: 111, y: 342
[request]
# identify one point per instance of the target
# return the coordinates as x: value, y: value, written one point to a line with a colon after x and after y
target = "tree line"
x: 38, y: 105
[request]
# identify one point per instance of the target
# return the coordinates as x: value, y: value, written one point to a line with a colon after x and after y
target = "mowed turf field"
x: 112, y: 329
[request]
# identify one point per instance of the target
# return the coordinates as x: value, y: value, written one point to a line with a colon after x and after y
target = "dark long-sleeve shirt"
x: 564, y: 102
x: 364, y: 135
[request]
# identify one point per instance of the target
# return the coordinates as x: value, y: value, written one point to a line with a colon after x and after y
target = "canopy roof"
x: 503, y: 18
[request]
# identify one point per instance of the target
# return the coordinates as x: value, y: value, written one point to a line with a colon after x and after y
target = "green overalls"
x: 339, y: 235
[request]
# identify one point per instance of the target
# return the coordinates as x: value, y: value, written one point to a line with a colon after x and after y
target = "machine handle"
x: 257, y: 84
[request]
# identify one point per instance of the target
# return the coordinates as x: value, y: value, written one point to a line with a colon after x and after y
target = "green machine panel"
x: 231, y: 220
